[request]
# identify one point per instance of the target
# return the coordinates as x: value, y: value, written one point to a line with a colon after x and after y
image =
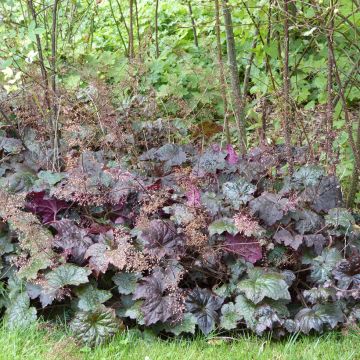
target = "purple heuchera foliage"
x: 247, y: 247
x: 162, y: 239
x: 175, y: 280
x: 45, y: 206
x: 232, y: 157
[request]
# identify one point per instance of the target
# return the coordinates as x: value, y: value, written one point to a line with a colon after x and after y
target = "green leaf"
x: 5, y: 244
x: 271, y: 50
x: 319, y: 294
x: 19, y: 313
x: 126, y: 282
x: 246, y: 309
x: 339, y: 219
x: 90, y: 297
x: 134, y: 312
x: 322, y: 266
x: 180, y: 214
x: 238, y: 193
x: 67, y: 274
x: 186, y: 325
x: 49, y: 177
x: 222, y: 225
x: 308, y: 175
x: 230, y: 316
x: 96, y: 327
x: 261, y: 285
x: 225, y: 290
x: 309, y: 12
x: 36, y: 263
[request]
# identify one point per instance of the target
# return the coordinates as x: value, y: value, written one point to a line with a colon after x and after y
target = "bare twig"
x: 221, y: 71
x: 235, y: 83
x: 286, y: 88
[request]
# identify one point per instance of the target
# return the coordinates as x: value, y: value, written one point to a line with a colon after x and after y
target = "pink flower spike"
x: 193, y: 197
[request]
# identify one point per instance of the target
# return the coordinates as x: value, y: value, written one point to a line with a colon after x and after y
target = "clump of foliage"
x: 182, y: 240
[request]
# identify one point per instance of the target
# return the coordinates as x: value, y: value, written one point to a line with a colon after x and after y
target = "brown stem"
x: 221, y: 71
x: 131, y: 30
x: 353, y: 71
x: 55, y: 113
x: 118, y: 28
x: 123, y: 17
x: 5, y: 116
x: 329, y: 106
x: 248, y: 67
x: 193, y: 24
x: 286, y: 88
x: 235, y: 82
x: 355, y: 174
x: 348, y: 123
x: 257, y: 26
x: 157, y: 28
x: 44, y: 74
x: 137, y: 27
x: 264, y: 115
x: 53, y: 51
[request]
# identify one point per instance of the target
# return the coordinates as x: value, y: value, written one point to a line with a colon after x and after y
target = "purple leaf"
x: 161, y: 294
x: 232, y: 158
x: 285, y: 237
x: 162, y: 239
x: 71, y: 239
x: 269, y: 207
x: 316, y: 240
x: 204, y: 305
x: 247, y: 247
x: 44, y: 206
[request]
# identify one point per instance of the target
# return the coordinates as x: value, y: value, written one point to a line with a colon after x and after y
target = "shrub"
x: 183, y: 239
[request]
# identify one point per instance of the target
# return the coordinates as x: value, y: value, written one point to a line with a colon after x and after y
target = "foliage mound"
x: 183, y: 240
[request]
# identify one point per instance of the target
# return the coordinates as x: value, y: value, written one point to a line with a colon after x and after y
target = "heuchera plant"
x: 208, y: 241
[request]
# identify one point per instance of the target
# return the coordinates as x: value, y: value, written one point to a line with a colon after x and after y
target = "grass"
x: 40, y: 342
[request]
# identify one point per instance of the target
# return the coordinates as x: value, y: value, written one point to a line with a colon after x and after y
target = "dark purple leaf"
x: 45, y: 206
x: 316, y: 240
x: 71, y: 239
x: 161, y: 294
x: 285, y: 237
x: 269, y: 207
x: 247, y: 247
x: 347, y: 274
x: 169, y: 154
x: 162, y: 239
x: 325, y: 196
x: 307, y: 221
x: 204, y: 305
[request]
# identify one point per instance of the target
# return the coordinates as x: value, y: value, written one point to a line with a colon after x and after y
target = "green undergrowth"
x: 42, y: 342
